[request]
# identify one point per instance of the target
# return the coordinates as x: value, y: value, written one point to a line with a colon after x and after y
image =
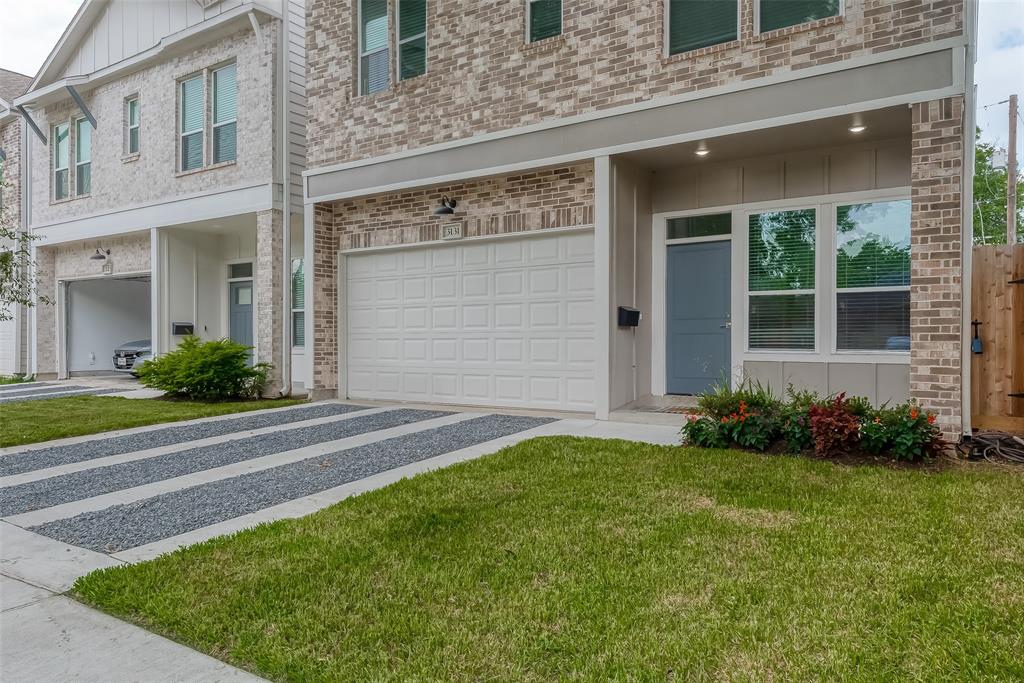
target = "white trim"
x: 757, y: 19
x: 341, y: 342
x: 309, y: 256
x: 698, y: 240
x: 201, y: 130
x: 867, y: 60
x: 137, y: 126
x: 213, y: 113
x: 155, y: 287
x: 478, y: 238
x: 603, y: 221
x: 54, y: 168
x: 77, y: 125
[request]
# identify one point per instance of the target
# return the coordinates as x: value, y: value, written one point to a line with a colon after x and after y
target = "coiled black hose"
x: 997, y: 447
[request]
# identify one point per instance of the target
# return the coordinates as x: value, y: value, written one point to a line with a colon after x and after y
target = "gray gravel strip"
x: 22, y: 386
x: 44, y: 493
x: 126, y: 526
x: 100, y: 447
x: 59, y: 394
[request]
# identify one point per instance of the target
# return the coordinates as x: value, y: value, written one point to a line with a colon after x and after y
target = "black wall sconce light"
x: 447, y: 207
x: 100, y: 255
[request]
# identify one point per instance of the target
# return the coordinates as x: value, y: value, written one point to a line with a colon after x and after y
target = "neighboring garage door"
x: 502, y: 322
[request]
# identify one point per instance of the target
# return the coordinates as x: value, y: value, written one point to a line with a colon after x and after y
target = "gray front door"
x: 699, y: 321
x: 240, y: 312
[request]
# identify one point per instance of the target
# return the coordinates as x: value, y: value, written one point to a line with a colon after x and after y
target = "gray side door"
x: 699, y: 321
x: 240, y: 312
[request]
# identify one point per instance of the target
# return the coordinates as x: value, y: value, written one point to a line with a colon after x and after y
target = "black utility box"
x: 628, y: 317
x: 182, y: 329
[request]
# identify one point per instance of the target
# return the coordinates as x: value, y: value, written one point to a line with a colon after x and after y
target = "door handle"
x: 726, y: 326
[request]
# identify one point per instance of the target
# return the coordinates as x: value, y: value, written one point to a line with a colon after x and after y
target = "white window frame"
x: 362, y: 53
x: 398, y: 34
x: 300, y: 309
x: 76, y: 123
x: 836, y: 290
x: 182, y: 134
x: 129, y: 127
x: 757, y: 18
x: 53, y: 162
x: 667, y: 30
x: 526, y: 26
x: 213, y: 105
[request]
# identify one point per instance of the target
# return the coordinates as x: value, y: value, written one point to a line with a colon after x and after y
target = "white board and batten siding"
x: 296, y: 26
x: 503, y: 323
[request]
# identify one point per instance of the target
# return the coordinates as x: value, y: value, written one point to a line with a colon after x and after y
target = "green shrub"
x: 705, y: 432
x: 904, y: 432
x: 796, y: 419
x: 212, y: 370
x: 723, y: 401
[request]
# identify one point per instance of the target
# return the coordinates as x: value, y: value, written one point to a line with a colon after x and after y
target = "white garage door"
x: 504, y: 322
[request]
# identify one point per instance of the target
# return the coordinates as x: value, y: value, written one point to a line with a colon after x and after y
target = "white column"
x: 155, y: 286
x: 602, y: 285
x: 308, y: 273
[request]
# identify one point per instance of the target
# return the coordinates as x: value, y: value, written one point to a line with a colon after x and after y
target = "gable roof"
x: 13, y: 84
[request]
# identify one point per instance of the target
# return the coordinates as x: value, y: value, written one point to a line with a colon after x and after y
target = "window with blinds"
x: 873, y: 276
x: 192, y: 121
x: 775, y: 14
x: 781, y: 280
x: 298, y: 303
x: 412, y: 38
x: 693, y: 24
x: 83, y: 157
x: 61, y: 145
x: 374, y: 60
x: 225, y: 114
x: 543, y: 19
x: 132, y: 125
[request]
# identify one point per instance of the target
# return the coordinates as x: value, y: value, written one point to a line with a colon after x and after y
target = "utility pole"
x: 1011, y: 177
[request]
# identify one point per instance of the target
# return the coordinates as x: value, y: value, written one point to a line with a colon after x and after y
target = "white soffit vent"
x: 206, y: 4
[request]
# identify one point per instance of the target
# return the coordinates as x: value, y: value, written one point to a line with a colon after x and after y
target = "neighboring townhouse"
x: 13, y: 211
x: 166, y: 159
x: 781, y: 190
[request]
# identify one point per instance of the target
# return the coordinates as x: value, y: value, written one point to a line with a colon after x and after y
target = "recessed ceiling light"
x: 702, y: 152
x: 858, y: 128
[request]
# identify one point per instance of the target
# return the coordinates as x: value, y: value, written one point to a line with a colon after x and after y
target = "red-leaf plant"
x: 834, y: 426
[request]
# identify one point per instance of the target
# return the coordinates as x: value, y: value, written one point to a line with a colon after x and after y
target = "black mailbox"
x: 628, y: 317
x: 182, y: 329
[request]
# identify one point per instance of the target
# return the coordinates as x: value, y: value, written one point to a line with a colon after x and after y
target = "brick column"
x: 268, y: 284
x: 46, y: 314
x: 325, y: 304
x: 936, y: 325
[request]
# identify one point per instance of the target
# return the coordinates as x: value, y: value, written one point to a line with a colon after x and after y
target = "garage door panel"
x: 497, y: 323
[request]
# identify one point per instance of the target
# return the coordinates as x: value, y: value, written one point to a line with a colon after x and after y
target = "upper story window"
x: 775, y: 14
x: 543, y: 19
x: 61, y: 145
x: 225, y: 110
x: 132, y: 128
x: 693, y: 24
x: 374, y: 59
x: 412, y: 38
x: 191, y: 114
x: 873, y: 276
x: 83, y: 157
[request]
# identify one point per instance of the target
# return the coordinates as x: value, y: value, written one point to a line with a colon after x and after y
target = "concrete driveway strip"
x: 53, y: 392
x: 46, y: 493
x: 37, y: 458
x: 20, y: 387
x: 126, y: 526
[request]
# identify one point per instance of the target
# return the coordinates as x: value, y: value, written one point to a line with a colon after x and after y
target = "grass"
x: 568, y: 558
x: 55, y: 418
x: 13, y: 379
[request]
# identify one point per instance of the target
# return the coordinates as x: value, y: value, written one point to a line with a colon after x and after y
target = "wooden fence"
x: 998, y: 372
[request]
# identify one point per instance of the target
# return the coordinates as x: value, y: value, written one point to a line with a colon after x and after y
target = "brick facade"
x: 537, y: 200
x: 482, y: 76
x: 269, y: 288
x: 10, y: 142
x: 936, y: 294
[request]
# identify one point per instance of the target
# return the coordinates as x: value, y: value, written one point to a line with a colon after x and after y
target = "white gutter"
x: 286, y: 232
x: 967, y: 212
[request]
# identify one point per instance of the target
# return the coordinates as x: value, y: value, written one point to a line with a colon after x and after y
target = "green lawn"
x: 55, y: 418
x: 583, y: 559
x: 12, y: 379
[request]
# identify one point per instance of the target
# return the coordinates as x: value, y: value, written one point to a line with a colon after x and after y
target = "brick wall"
x: 482, y: 76
x: 936, y: 326
x: 537, y: 200
x: 10, y: 142
x: 120, y: 180
x: 269, y: 288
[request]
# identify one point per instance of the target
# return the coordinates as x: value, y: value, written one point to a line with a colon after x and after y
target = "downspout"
x: 286, y: 207
x: 967, y: 213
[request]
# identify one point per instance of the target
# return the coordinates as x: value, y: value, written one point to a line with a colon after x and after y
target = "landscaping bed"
x: 587, y: 559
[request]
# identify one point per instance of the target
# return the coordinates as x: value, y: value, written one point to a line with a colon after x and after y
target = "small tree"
x: 205, y: 371
x: 17, y: 282
x: 990, y: 197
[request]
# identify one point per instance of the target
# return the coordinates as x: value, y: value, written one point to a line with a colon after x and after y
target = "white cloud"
x: 30, y: 29
x: 999, y: 70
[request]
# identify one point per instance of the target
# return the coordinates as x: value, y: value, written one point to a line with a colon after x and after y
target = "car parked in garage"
x: 130, y: 355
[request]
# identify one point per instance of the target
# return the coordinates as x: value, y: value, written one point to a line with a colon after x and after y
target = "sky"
x: 30, y: 28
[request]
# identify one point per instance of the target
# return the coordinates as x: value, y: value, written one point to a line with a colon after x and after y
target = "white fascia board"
x: 199, y: 207
x: 56, y: 90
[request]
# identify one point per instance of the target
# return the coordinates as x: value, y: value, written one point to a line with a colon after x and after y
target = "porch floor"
x: 660, y: 410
